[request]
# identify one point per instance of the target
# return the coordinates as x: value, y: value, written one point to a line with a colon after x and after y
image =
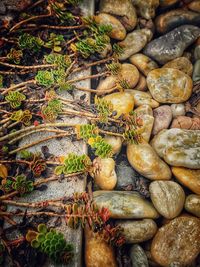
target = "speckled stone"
x: 177, y: 242
x: 118, y: 31
x: 136, y: 231
x: 192, y: 204
x: 196, y: 72
x: 142, y: 98
x: 146, y: 8
x: 174, y: 18
x: 144, y: 160
x: 162, y: 118
x: 138, y: 256
x: 181, y: 63
x: 134, y: 42
x: 184, y: 122
x: 169, y: 85
x: 195, y: 6
x: 143, y: 63
x: 123, y: 9
x: 125, y: 205
x: 168, y: 198
x: 178, y: 147
x: 178, y: 110
x: 189, y: 178
x: 172, y: 44
x: 97, y: 251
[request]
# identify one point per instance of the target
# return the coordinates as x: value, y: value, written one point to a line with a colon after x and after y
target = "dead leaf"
x: 3, y: 171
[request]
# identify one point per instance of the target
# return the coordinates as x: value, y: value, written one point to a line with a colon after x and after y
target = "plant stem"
x: 86, y: 66
x: 18, y: 86
x: 15, y: 72
x: 55, y: 27
x: 40, y: 126
x: 15, y: 161
x: 38, y: 142
x: 19, y: 24
x: 29, y: 214
x: 10, y: 221
x: 27, y: 67
x: 110, y: 133
x: 88, y: 77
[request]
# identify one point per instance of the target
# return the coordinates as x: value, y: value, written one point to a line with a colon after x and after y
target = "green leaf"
x: 42, y: 228
x: 57, y: 49
x: 35, y: 243
x: 58, y: 170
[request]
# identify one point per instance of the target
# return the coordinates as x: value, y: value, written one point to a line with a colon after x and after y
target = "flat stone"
x: 192, y: 204
x: 169, y: 85
x: 178, y: 110
x: 97, y: 251
x: 174, y: 18
x: 123, y: 9
x: 178, y: 147
x: 118, y: 31
x: 144, y: 160
x: 146, y: 8
x: 122, y: 103
x: 138, y: 256
x: 136, y: 231
x: 145, y: 114
x: 168, y: 198
x: 177, y: 242
x: 125, y: 205
x: 189, y: 178
x: 162, y: 118
x: 172, y: 44
x: 134, y: 42
x: 142, y: 98
x: 184, y: 122
x: 143, y: 63
x: 181, y: 63
x: 196, y: 72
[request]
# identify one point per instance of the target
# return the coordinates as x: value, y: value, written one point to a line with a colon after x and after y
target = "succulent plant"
x: 55, y: 42
x: 74, y: 163
x: 114, y: 67
x: 51, y: 243
x: 22, y: 185
x: 28, y: 41
x: 6, y: 185
x: 61, y: 10
x: 104, y: 108
x: 86, y: 131
x: 22, y: 116
x: 102, y: 149
x: 45, y: 78
x: 15, y: 99
x: 26, y: 154
x: 123, y: 83
x: 15, y: 55
x: 38, y: 165
x: 62, y: 61
x: 132, y: 136
x: 117, y: 49
x: 52, y: 110
x: 1, y: 81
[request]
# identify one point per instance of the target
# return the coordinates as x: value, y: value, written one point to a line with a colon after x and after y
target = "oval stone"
x: 134, y: 42
x: 168, y: 3
x: 130, y: 74
x: 192, y: 204
x: 146, y: 8
x: 181, y: 63
x: 142, y: 84
x: 169, y: 85
x: 196, y: 72
x: 142, y: 98
x: 184, y: 122
x: 123, y: 9
x: 168, y: 198
x: 189, y: 178
x: 172, y: 44
x: 162, y: 118
x: 122, y: 103
x: 197, y: 52
x: 138, y: 230
x: 177, y: 242
x: 138, y: 256
x: 144, y: 160
x: 115, y: 142
x: 178, y: 110
x: 179, y: 147
x: 118, y: 31
x: 125, y: 205
x: 143, y: 63
x: 174, y: 18
x: 194, y: 5
x: 97, y: 251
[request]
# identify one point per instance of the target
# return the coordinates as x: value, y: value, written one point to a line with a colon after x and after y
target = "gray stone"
x: 138, y: 256
x: 179, y: 147
x: 125, y: 205
x: 172, y: 44
x: 136, y: 231
x: 197, y: 52
x: 192, y: 204
x: 196, y: 71
x: 162, y: 118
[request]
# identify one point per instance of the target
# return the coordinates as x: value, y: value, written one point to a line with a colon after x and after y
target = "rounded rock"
x: 138, y: 256
x: 192, y: 204
x: 143, y: 63
x: 169, y: 85
x: 144, y: 160
x: 177, y: 242
x: 115, y: 142
x: 162, y: 118
x: 196, y: 72
x: 142, y: 98
x: 168, y: 198
x: 178, y: 110
x: 189, y: 178
x: 188, y: 123
x: 181, y: 63
x: 146, y: 8
x: 138, y: 230
x: 194, y: 5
